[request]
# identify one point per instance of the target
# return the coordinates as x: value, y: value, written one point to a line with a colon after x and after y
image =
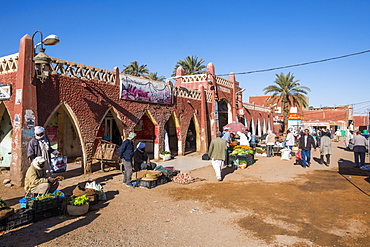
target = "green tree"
x: 288, y: 92
x: 135, y: 69
x: 191, y: 66
x: 155, y: 77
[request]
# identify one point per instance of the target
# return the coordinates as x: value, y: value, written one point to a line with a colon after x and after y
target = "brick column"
x: 203, y: 121
x: 25, y: 112
x: 233, y: 98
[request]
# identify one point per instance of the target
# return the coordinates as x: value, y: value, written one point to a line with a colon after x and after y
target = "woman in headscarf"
x: 141, y: 159
x: 40, y: 146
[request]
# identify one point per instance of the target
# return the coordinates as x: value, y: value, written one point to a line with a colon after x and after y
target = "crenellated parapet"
x: 9, y: 63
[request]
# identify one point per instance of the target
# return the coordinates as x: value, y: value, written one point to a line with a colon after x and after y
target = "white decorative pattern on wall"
x: 9, y: 63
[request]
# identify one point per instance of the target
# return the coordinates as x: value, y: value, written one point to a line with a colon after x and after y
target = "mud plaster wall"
x: 90, y: 100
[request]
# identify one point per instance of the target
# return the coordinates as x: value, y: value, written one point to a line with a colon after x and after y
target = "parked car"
x: 367, y: 136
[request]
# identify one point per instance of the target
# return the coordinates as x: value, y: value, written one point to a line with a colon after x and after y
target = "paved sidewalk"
x: 185, y: 163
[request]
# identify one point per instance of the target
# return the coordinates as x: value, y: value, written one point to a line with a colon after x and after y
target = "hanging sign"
x: 140, y: 89
x: 5, y: 92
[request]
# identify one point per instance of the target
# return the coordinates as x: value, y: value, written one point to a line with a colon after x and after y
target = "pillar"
x: 25, y: 112
x: 214, y: 108
x: 233, y: 98
x: 203, y: 121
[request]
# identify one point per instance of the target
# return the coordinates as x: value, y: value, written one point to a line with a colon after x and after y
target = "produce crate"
x: 45, y: 204
x: 41, y: 215
x: 19, y: 218
x: 249, y: 158
x: 146, y: 184
x: 162, y: 180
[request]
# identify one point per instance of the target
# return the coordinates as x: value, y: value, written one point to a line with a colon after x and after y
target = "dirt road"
x: 271, y: 203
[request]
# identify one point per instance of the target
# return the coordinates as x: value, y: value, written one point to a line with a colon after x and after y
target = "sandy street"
x: 271, y: 203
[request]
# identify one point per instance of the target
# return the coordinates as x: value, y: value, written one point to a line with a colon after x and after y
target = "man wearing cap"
x: 37, y: 181
x: 40, y: 146
x: 126, y: 152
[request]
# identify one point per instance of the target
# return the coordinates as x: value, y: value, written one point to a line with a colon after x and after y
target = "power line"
x: 296, y: 65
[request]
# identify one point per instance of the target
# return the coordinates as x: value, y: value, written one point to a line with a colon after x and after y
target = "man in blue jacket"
x: 126, y: 152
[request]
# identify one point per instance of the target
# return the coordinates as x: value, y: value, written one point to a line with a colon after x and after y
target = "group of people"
x: 133, y: 160
x: 38, y: 179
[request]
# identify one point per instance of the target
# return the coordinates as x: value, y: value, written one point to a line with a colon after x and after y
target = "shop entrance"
x: 171, y: 129
x: 223, y: 113
x: 145, y: 132
x: 109, y: 130
x: 6, y: 130
x: 191, y: 138
x: 63, y: 135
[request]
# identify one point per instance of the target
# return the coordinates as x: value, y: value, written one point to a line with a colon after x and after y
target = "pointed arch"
x: 76, y: 125
x: 111, y: 114
x: 6, y: 134
x: 224, y: 113
x: 156, y: 133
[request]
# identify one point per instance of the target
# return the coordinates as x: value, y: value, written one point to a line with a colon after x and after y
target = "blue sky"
x: 237, y: 36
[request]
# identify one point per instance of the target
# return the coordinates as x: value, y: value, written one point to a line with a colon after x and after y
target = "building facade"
x: 78, y: 105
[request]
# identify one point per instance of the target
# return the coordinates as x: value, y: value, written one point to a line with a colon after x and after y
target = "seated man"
x: 36, y: 180
x: 141, y: 159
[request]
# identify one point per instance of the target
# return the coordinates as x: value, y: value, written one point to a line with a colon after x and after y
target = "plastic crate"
x: 45, y: 204
x: 249, y: 158
x: 19, y: 218
x: 25, y: 201
x: 162, y: 180
x: 146, y: 184
x: 37, y: 216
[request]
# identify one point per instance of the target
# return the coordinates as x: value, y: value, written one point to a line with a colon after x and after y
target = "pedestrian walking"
x: 359, y: 149
x: 305, y: 144
x: 338, y: 134
x: 216, y: 152
x: 347, y: 137
x: 270, y: 142
x: 325, y: 148
x: 126, y: 152
x: 289, y: 140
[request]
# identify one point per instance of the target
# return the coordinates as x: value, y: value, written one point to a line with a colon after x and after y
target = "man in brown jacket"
x: 36, y: 180
x: 217, y: 153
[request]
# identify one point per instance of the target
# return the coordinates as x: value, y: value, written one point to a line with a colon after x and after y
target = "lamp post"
x: 41, y: 60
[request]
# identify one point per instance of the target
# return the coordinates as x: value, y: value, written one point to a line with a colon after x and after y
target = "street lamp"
x: 41, y: 60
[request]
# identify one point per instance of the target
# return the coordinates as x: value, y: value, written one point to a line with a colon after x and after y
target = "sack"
x: 98, y: 188
x: 59, y: 164
x: 285, y: 154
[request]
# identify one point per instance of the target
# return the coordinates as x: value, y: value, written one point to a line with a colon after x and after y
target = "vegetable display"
x: 183, y: 178
x: 2, y: 203
x: 81, y: 200
x: 44, y: 197
x: 59, y: 193
x: 242, y: 151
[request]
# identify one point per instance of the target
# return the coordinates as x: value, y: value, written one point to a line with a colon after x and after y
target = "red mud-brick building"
x: 79, y: 104
x: 322, y: 117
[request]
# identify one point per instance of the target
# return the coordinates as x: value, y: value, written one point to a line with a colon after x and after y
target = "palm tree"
x: 135, y: 69
x: 288, y: 92
x: 191, y: 66
x: 155, y: 77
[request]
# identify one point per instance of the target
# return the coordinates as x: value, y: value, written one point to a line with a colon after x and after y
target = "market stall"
x: 241, y: 156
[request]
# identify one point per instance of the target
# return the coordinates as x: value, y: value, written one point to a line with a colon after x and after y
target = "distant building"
x: 339, y: 117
